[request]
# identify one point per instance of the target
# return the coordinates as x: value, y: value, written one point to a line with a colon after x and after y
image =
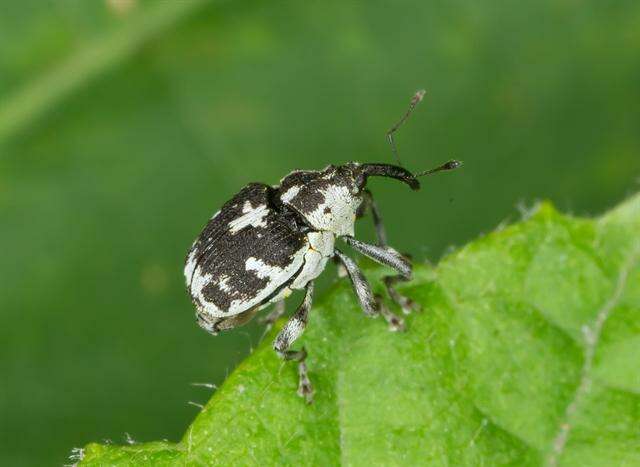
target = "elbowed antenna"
x: 415, y: 100
x: 450, y: 165
x: 400, y: 173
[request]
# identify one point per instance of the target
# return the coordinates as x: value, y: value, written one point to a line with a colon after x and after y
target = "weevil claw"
x: 305, y: 389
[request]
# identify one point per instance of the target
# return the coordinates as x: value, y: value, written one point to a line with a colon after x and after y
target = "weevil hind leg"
x: 274, y: 315
x: 291, y: 331
x: 389, y: 257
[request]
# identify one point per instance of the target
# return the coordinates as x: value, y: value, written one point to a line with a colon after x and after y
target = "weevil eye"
x: 352, y: 174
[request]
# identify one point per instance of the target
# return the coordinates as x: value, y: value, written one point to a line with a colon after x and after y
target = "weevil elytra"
x: 270, y: 240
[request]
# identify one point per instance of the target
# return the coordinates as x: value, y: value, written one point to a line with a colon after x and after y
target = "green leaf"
x: 526, y: 353
x: 34, y: 99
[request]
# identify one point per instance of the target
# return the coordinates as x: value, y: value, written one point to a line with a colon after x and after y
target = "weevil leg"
x: 395, y: 322
x: 383, y: 255
x: 369, y: 203
x: 341, y: 270
x: 371, y: 304
x: 274, y: 315
x: 291, y: 331
x: 415, y: 100
x: 360, y: 284
x: 390, y: 257
x: 402, y: 301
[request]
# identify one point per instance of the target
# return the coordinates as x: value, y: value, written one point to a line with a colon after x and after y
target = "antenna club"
x: 452, y: 164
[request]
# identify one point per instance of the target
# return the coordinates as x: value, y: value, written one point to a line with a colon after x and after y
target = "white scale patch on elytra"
x: 251, y: 216
x: 262, y: 269
x: 198, y: 283
x: 290, y: 193
x: 276, y: 276
x: 190, y: 265
x: 222, y: 283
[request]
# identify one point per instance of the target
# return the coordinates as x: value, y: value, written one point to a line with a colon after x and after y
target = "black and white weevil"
x: 270, y: 240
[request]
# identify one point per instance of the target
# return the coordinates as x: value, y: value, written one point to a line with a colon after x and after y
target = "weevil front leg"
x: 288, y: 335
x: 395, y: 322
x: 390, y: 257
x: 371, y: 304
x: 369, y: 204
x: 403, y: 301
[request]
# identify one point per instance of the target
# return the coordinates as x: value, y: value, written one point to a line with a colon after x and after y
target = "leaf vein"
x: 591, y: 337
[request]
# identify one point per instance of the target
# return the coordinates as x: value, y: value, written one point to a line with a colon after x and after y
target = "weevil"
x: 268, y: 241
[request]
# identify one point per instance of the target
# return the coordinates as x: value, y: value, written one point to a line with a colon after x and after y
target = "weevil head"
x: 329, y: 199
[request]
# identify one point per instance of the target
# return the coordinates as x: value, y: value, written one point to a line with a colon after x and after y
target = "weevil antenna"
x: 415, y: 100
x: 449, y: 165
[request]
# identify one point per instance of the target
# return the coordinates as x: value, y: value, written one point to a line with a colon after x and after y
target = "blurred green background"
x: 125, y: 124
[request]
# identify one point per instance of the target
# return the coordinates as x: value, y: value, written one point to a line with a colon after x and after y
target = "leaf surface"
x: 525, y: 354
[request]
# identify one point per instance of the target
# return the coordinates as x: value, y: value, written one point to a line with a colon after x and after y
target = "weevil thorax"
x: 327, y: 199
